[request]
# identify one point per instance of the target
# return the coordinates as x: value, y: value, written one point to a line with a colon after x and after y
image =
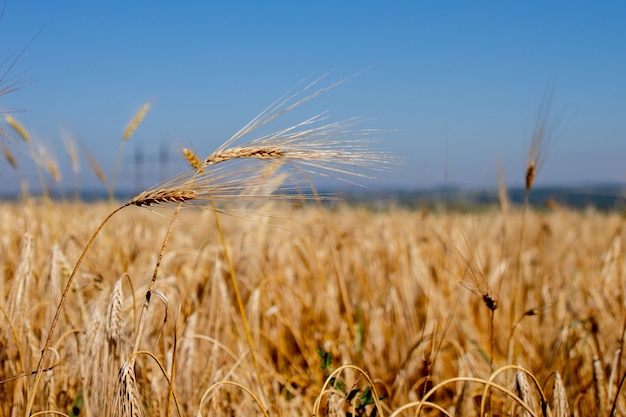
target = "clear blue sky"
x: 469, y: 74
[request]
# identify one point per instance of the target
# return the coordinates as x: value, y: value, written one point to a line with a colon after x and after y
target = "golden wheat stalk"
x: 542, y: 135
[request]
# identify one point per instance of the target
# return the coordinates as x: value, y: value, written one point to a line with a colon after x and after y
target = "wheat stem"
x: 57, y: 314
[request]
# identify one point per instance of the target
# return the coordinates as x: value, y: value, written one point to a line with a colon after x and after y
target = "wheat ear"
x: 560, y: 404
x: 128, y: 132
x: 70, y: 147
x: 95, y: 167
x: 193, y: 160
x: 522, y: 388
x: 9, y: 156
x: 127, y: 402
x: 18, y: 128
x: 23, y: 133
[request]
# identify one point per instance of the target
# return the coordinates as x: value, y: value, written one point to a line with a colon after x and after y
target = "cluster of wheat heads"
x: 310, y: 146
x: 423, y: 340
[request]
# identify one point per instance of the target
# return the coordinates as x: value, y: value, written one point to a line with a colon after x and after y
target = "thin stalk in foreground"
x: 231, y: 270
x: 146, y: 303
x: 146, y: 198
x: 57, y: 314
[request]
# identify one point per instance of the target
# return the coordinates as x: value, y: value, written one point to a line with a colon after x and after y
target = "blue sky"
x: 454, y: 84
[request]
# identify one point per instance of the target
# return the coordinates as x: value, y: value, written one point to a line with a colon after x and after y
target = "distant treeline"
x: 604, y: 197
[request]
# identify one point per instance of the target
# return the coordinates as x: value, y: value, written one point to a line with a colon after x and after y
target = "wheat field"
x: 346, y: 311
x: 236, y: 289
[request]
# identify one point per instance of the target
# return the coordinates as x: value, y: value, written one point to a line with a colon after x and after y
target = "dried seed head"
x: 18, y: 128
x: 530, y: 175
x: 560, y: 404
x: 51, y: 165
x: 127, y: 401
x: 95, y: 167
x: 21, y: 278
x: 70, y: 146
x: 522, y: 388
x: 490, y: 301
x: 114, y: 325
x: 134, y: 123
x: 8, y: 155
x: 244, y: 152
x: 162, y: 196
x: 193, y: 160
x: 543, y: 134
x: 531, y: 312
x: 600, y: 391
